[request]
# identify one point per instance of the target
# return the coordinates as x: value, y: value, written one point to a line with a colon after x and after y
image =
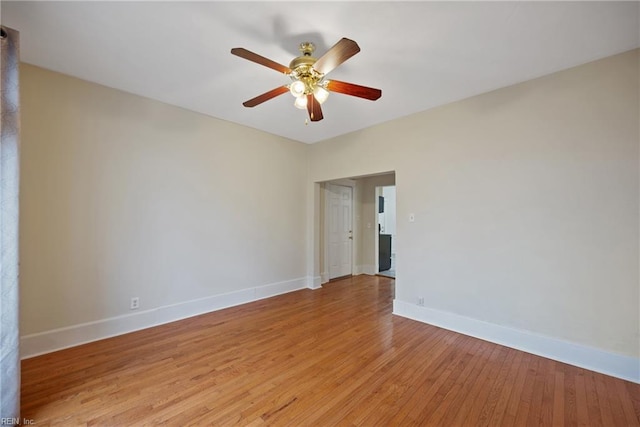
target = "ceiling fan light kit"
x: 309, y: 86
x: 306, y: 80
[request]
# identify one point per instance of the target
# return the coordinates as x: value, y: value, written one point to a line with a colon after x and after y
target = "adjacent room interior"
x: 387, y: 236
x: 457, y: 243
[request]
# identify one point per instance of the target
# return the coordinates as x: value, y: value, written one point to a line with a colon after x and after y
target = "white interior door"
x: 340, y: 230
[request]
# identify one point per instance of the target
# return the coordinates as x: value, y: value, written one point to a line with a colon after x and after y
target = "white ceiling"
x: 421, y: 54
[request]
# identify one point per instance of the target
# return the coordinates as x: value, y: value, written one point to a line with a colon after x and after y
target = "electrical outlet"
x: 421, y: 301
x: 135, y: 303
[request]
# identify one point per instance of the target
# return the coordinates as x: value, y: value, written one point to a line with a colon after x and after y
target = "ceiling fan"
x: 309, y: 86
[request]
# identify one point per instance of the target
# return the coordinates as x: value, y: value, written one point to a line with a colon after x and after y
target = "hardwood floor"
x: 334, y: 356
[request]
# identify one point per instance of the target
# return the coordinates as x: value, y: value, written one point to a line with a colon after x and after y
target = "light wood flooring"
x: 333, y: 356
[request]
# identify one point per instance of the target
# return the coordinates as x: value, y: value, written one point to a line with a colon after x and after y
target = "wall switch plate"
x: 135, y: 303
x: 412, y: 217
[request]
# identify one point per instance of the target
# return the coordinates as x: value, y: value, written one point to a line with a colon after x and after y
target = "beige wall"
x: 122, y: 196
x: 526, y: 202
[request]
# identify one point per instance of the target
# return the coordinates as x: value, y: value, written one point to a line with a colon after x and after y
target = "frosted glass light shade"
x: 301, y: 102
x: 321, y: 94
x: 297, y: 88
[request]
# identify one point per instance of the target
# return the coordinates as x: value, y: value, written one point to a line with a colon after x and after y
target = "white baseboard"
x: 369, y: 269
x: 314, y: 282
x: 324, y: 277
x: 357, y: 270
x: 71, y: 336
x: 616, y: 365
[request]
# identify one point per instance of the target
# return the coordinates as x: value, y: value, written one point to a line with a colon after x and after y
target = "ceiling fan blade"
x: 266, y: 96
x: 335, y: 56
x: 314, y: 109
x: 354, y: 90
x: 254, y: 57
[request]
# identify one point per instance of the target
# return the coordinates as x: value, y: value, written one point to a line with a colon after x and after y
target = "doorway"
x: 348, y: 243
